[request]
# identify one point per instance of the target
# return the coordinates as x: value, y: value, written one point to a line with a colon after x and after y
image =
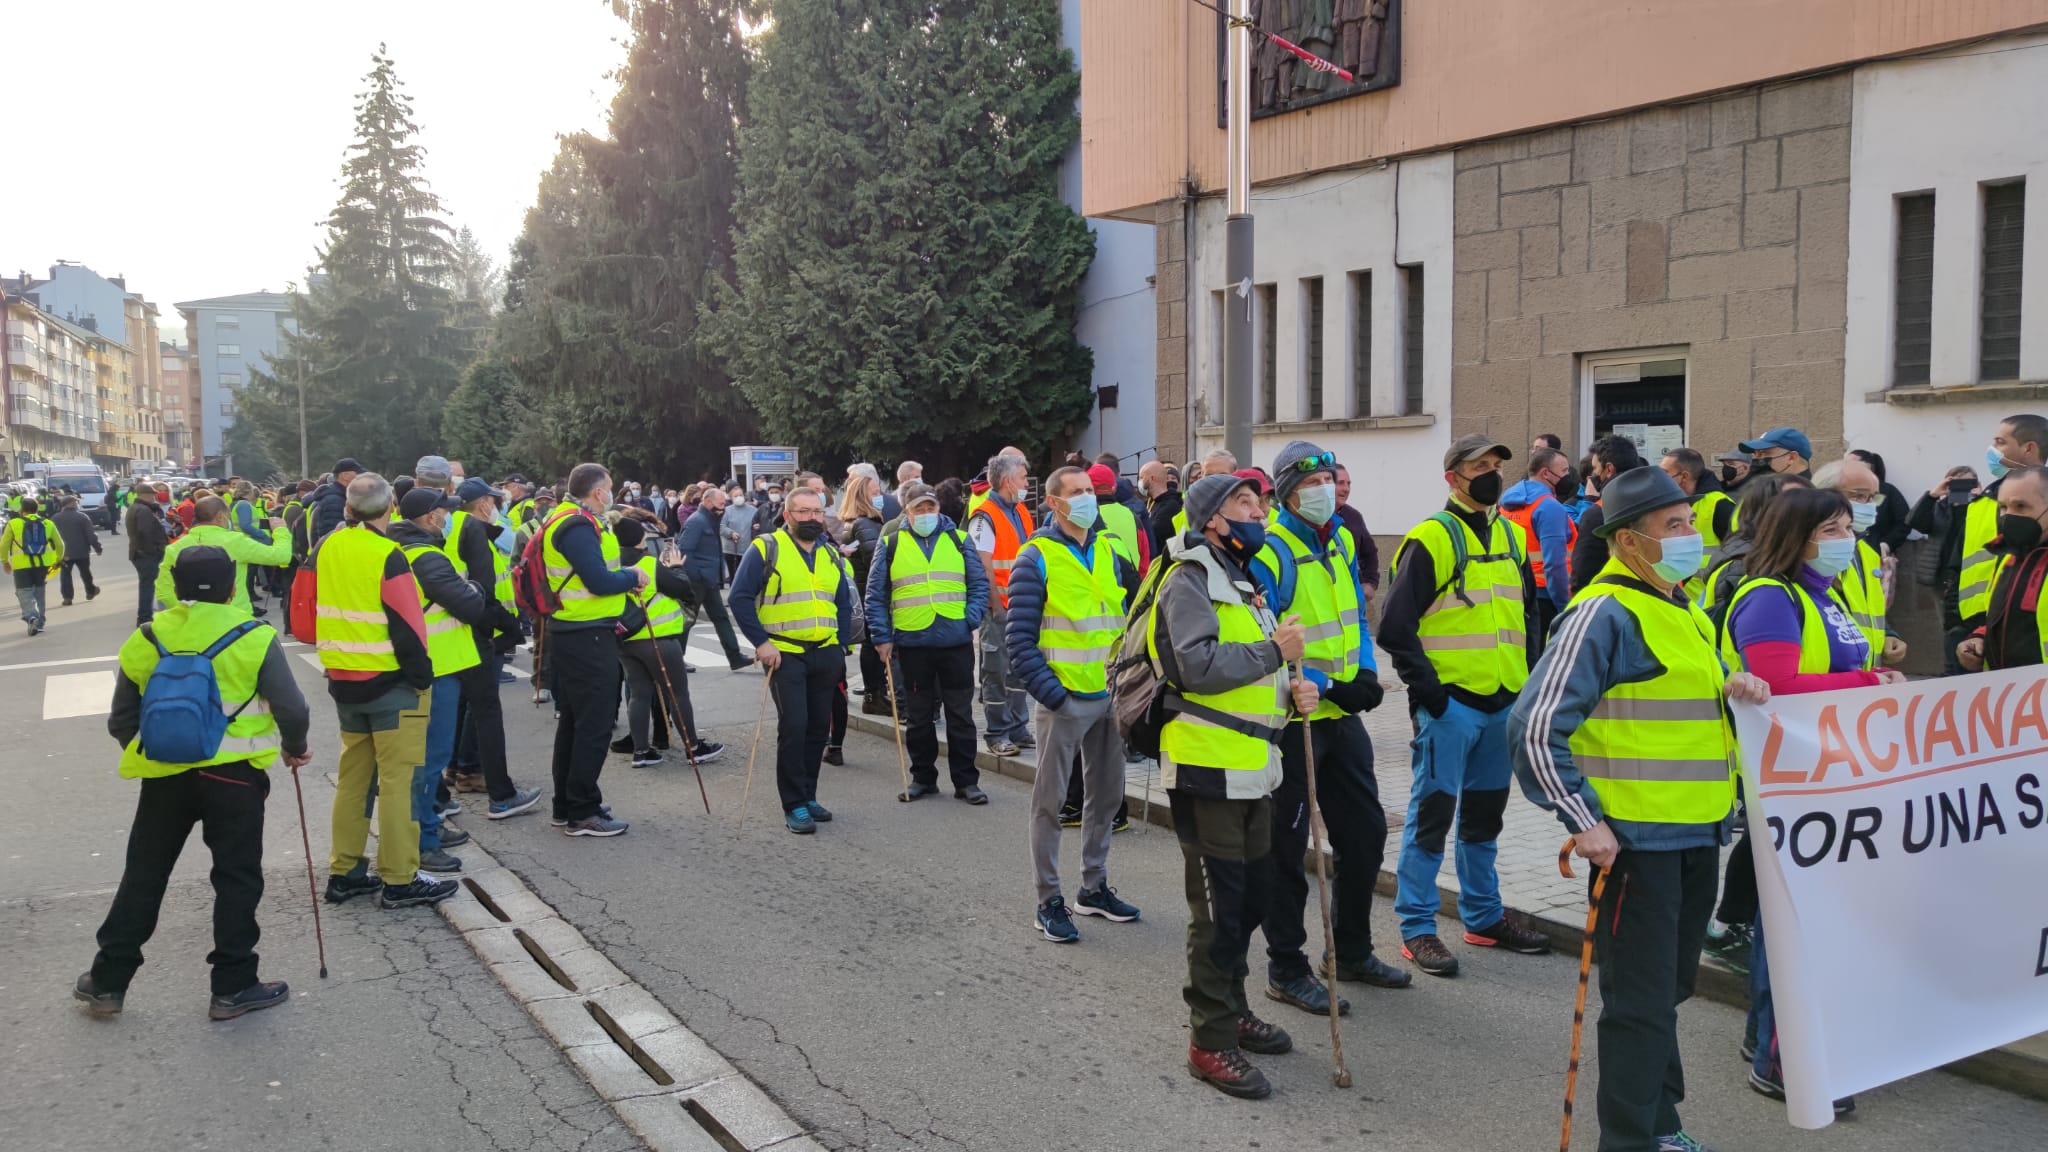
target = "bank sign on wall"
x: 1905, y: 892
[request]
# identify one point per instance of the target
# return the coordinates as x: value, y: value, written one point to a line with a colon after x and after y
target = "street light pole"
x: 305, y: 468
x: 1237, y: 243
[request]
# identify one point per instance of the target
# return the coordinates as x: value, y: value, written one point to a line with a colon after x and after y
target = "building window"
x: 1637, y: 395
x: 1411, y: 340
x: 227, y: 406
x: 225, y: 321
x: 1913, y: 290
x: 1269, y: 353
x: 1361, y: 343
x: 1998, y: 320
x: 228, y: 350
x: 1312, y: 313
x: 231, y: 379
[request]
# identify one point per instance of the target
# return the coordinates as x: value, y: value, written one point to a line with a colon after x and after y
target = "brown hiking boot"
x: 1230, y: 1072
x: 467, y: 782
x: 1505, y: 933
x: 1430, y: 955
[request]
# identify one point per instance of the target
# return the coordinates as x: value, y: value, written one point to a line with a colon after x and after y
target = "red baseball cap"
x: 1103, y: 479
x: 1256, y: 477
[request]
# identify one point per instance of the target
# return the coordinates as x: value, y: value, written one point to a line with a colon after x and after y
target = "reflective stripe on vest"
x: 1659, y: 750
x: 1235, y: 730
x: 1705, y: 508
x: 1083, y: 614
x: 193, y: 627
x: 450, y: 643
x: 1478, y: 642
x: 1863, y: 594
x: 352, y: 630
x: 578, y: 601
x: 923, y: 590
x: 1012, y: 526
x: 665, y: 615
x: 1815, y: 656
x: 1326, y: 599
x: 1980, y: 564
x: 799, y: 602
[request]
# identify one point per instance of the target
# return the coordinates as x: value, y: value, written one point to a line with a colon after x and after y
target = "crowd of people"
x: 1578, y: 632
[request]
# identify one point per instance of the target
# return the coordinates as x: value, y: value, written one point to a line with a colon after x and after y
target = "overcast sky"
x: 195, y: 147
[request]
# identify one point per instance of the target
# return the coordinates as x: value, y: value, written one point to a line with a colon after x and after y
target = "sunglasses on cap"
x: 1320, y: 462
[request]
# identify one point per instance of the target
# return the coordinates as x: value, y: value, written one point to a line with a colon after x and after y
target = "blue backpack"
x: 35, y: 539
x: 183, y: 719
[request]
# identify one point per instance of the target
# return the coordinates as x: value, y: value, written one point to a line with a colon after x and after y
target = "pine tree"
x: 488, y: 426
x: 627, y: 239
x: 375, y: 343
x: 908, y: 278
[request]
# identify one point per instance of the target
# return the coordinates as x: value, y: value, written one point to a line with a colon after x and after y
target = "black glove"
x: 1432, y: 700
x: 1361, y: 693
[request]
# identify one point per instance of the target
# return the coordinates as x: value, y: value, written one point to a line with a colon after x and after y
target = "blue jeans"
x: 1763, y: 1015
x: 1461, y: 767
x: 444, y: 703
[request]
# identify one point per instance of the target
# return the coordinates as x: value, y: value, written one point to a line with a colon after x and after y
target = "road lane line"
x: 58, y: 663
x: 78, y: 694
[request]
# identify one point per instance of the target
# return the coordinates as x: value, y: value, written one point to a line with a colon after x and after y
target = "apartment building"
x: 52, y: 386
x: 1675, y: 222
x: 230, y: 336
x: 182, y: 419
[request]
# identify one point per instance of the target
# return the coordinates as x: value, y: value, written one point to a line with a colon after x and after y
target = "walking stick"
x: 902, y: 762
x: 675, y: 709
x: 740, y: 825
x: 540, y: 635
x: 1340, y: 1075
x: 1571, y: 1076
x: 313, y: 890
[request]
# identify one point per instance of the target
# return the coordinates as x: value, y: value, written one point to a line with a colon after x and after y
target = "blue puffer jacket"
x: 943, y: 633
x: 1027, y: 610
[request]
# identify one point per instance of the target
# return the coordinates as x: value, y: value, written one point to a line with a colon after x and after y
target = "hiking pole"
x: 1317, y: 835
x: 312, y: 889
x: 689, y: 739
x: 902, y: 763
x: 540, y: 635
x: 1571, y: 1076
x: 746, y: 790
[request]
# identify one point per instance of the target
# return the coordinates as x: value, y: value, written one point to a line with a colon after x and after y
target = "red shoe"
x: 1230, y: 1072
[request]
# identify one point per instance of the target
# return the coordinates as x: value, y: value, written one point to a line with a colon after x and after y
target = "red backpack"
x: 530, y: 588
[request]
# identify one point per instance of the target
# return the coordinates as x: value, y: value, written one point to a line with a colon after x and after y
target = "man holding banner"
x: 2012, y: 635
x: 1621, y: 734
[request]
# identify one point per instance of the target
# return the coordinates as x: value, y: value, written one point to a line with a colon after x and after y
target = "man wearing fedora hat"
x: 1646, y: 793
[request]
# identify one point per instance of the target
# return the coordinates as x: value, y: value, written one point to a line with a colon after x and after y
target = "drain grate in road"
x: 541, y: 957
x: 628, y: 1045
x: 484, y: 898
x: 717, y: 1131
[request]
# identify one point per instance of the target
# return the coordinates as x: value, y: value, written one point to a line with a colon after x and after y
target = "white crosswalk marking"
x: 78, y: 694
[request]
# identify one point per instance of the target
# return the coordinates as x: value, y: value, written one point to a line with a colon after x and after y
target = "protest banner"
x: 1903, y: 866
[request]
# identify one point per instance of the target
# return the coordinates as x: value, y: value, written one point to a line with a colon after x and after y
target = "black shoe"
x: 422, y: 890
x: 1373, y: 971
x: 972, y: 794
x: 1122, y: 823
x: 92, y: 593
x: 690, y: 668
x: 1430, y: 955
x: 919, y: 790
x: 259, y: 611
x: 1731, y: 945
x: 646, y: 758
x: 1260, y: 1038
x: 65, y: 604
x: 705, y: 751
x: 835, y: 756
x: 342, y: 889
x: 622, y: 744
x: 1306, y: 993
x: 101, y: 1004
x: 256, y: 997
x: 1070, y: 817
x: 453, y: 837
x: 819, y: 812
x: 874, y: 706
x: 740, y: 665
x: 1774, y: 1087
x: 1511, y: 936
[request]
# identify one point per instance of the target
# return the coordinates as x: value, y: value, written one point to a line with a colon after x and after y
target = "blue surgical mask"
x: 1862, y: 516
x: 1081, y: 510
x: 1318, y: 504
x: 1834, y: 558
x: 1681, y: 557
x: 1246, y: 538
x: 925, y: 523
x: 1994, y: 460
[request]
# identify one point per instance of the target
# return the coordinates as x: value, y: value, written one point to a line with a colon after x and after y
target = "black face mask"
x: 1728, y: 475
x: 809, y: 530
x: 1485, y: 490
x: 2019, y: 534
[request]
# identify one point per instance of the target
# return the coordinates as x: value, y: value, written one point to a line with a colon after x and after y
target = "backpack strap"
x: 221, y: 645
x: 149, y: 634
x: 1459, y: 555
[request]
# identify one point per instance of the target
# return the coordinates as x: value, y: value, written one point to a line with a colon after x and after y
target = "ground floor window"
x: 1640, y: 395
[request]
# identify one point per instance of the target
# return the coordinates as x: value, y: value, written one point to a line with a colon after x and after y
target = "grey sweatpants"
x: 1086, y: 728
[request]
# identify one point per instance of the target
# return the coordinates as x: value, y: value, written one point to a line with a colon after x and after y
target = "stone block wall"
x: 1720, y: 225
x: 1171, y: 419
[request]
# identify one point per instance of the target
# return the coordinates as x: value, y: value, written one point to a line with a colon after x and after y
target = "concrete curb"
x: 2012, y: 1069
x: 671, y: 1088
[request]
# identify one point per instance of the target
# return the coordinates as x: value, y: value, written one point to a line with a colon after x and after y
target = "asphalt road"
x: 882, y: 980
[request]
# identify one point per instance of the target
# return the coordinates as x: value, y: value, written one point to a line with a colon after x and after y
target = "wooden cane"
x: 1340, y: 1075
x: 675, y: 709
x: 902, y: 758
x: 1571, y: 1075
x: 312, y: 889
x: 540, y: 635
x: 746, y: 790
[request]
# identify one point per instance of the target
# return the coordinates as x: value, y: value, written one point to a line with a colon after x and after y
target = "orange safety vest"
x: 1008, y: 543
x: 1526, y: 516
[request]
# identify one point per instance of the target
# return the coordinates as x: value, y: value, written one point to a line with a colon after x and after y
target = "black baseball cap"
x: 417, y: 502
x: 204, y: 573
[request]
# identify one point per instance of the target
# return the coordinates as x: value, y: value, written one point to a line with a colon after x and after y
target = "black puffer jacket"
x: 437, y: 578
x: 330, y: 506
